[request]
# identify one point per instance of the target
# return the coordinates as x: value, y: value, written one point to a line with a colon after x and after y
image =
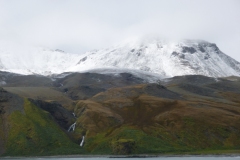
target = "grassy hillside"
x: 42, y: 93
x: 35, y: 133
x: 174, y: 130
x: 150, y: 124
x: 189, y: 114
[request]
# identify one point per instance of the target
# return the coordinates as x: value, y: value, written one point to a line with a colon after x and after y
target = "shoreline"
x: 127, y: 156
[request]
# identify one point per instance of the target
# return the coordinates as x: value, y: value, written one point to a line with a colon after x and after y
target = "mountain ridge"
x: 160, y: 57
x: 120, y: 114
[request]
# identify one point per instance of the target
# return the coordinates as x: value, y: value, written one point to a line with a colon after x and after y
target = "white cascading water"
x: 72, y: 127
x: 81, y: 144
x: 74, y: 115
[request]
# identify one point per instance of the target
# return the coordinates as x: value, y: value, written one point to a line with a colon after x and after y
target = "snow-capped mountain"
x: 34, y: 60
x: 187, y: 57
x: 165, y: 58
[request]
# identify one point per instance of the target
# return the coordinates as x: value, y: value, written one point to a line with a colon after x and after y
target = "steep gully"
x: 72, y: 128
x: 59, y: 113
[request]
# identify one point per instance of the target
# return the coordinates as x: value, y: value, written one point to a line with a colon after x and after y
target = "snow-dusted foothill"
x: 28, y: 60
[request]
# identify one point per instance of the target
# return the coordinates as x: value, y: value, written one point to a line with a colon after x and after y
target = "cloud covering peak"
x: 78, y: 26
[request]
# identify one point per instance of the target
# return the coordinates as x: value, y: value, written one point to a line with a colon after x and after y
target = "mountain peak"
x: 163, y: 57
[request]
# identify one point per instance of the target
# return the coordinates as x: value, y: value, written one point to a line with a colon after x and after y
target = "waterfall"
x: 81, y: 144
x: 72, y: 127
x: 74, y: 115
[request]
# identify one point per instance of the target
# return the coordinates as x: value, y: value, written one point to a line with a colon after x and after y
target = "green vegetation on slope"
x: 138, y: 143
x: 192, y: 138
x: 35, y: 133
x: 200, y: 117
x: 2, y: 136
x: 156, y: 126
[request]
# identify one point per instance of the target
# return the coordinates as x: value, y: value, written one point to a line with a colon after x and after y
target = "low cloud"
x: 79, y: 26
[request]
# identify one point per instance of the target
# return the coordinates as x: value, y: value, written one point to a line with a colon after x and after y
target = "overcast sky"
x: 80, y: 25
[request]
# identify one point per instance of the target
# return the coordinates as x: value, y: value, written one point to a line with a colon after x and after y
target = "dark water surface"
x: 154, y: 158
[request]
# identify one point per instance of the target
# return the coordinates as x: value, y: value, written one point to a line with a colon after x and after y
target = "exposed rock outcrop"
x: 62, y: 116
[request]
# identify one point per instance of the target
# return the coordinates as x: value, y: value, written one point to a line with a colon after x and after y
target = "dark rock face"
x: 128, y: 78
x: 201, y: 49
x: 2, y: 111
x: 207, y: 56
x: 62, y: 116
x: 82, y: 60
x: 85, y: 85
x: 198, y: 90
x: 3, y: 95
x: 182, y: 56
x: 188, y: 50
x: 190, y: 79
x: 226, y: 86
x: 13, y: 80
x: 216, y: 49
x: 175, y: 53
x: 137, y: 52
x: 10, y: 102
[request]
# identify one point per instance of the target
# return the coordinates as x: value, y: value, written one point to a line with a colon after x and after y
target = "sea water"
x: 152, y: 158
